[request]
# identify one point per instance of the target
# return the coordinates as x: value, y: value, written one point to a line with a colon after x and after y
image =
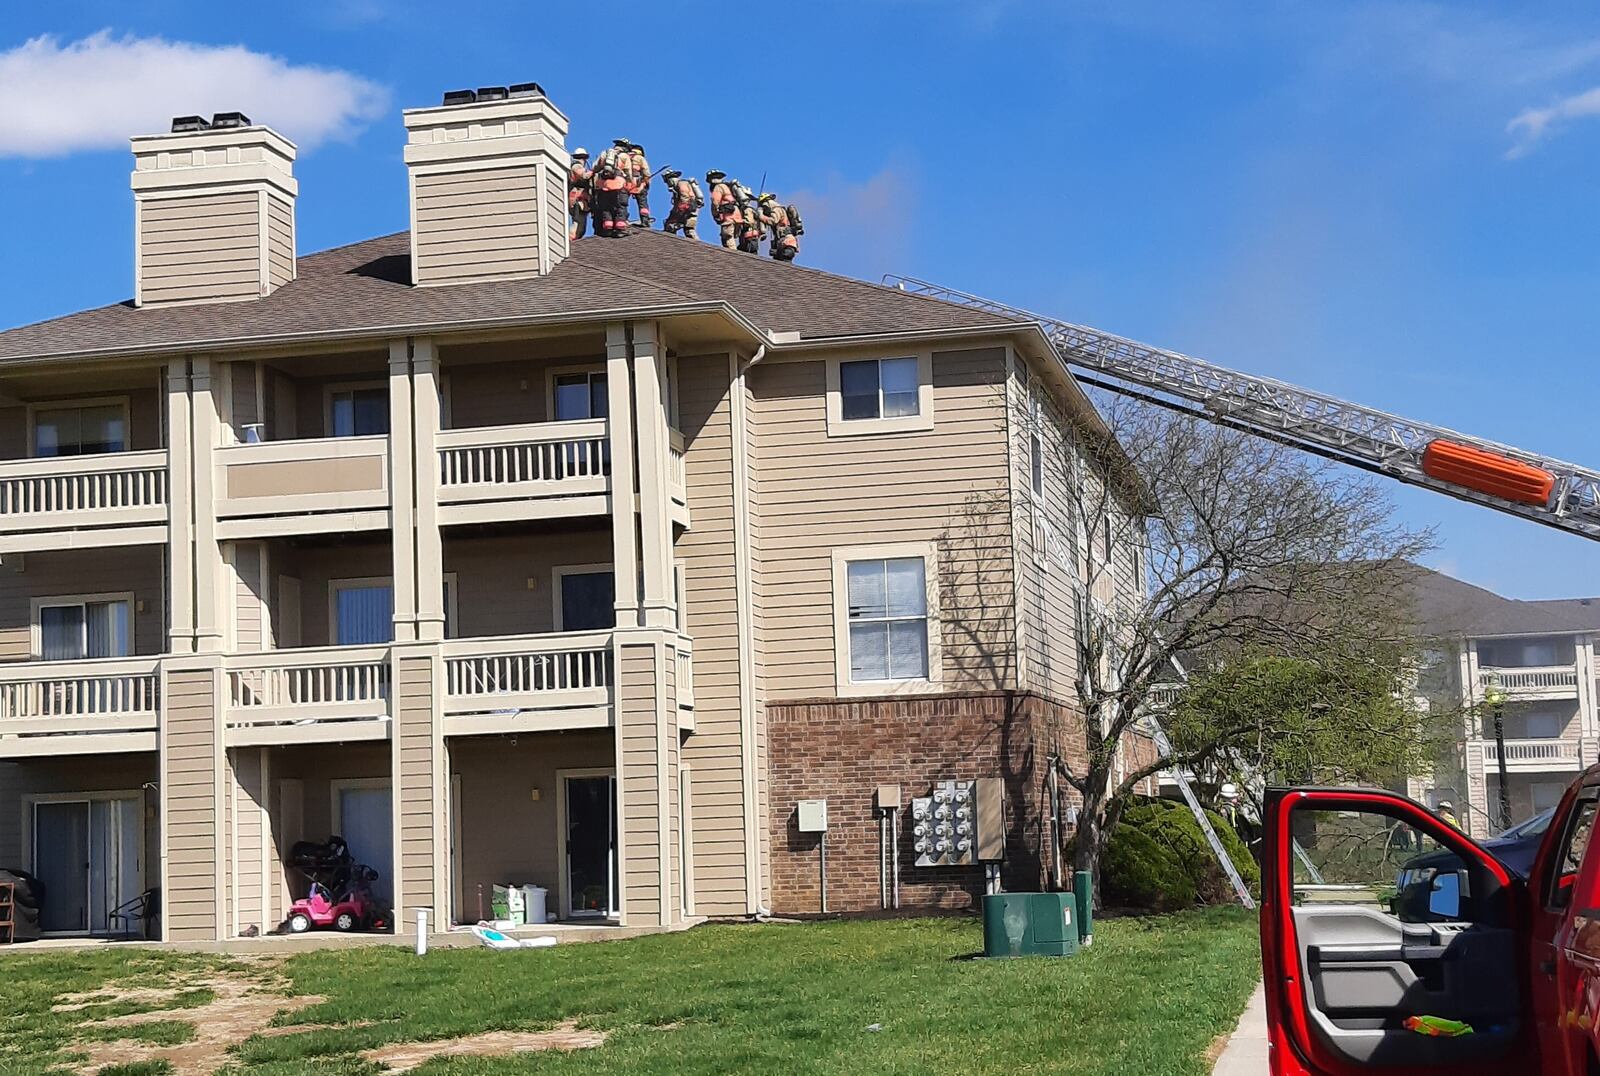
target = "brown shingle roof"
x: 1448, y: 608
x: 363, y: 288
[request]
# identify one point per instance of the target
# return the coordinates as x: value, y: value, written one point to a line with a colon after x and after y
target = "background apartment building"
x: 514, y: 560
x: 1540, y: 656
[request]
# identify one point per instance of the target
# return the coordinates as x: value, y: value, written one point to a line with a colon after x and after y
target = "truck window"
x: 1569, y: 856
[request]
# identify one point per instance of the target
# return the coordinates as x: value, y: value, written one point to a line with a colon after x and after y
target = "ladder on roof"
x: 1335, y: 429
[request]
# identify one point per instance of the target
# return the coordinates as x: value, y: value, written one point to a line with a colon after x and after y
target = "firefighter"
x: 686, y: 203
x: 639, y: 183
x: 579, y: 194
x: 784, y: 242
x: 750, y: 215
x: 725, y: 207
x: 610, y: 189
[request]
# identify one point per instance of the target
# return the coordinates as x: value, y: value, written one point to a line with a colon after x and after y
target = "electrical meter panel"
x: 944, y: 825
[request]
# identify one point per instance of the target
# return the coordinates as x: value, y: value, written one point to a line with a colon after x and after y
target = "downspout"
x: 747, y: 702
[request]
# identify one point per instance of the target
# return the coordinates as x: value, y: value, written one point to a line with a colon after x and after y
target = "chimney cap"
x: 230, y: 119
x: 459, y: 97
x: 526, y: 89
x: 491, y: 93
x: 185, y: 124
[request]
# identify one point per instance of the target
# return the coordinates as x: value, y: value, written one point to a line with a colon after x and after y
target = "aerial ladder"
x: 1546, y: 490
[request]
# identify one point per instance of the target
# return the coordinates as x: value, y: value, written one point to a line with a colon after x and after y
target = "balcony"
x: 330, y: 484
x: 322, y: 694
x: 528, y: 683
x: 539, y: 470
x: 1532, y: 682
x: 116, y: 498
x: 79, y: 707
x: 1538, y: 755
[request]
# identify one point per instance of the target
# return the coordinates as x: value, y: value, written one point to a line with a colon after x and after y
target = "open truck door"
x: 1391, y: 942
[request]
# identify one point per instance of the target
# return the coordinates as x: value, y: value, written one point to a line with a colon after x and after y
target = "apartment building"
x: 515, y: 560
x: 1538, y: 658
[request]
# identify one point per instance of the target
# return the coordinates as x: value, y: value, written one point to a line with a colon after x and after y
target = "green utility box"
x: 1030, y: 924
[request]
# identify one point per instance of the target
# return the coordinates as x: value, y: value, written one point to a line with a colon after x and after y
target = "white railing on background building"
x: 64, y: 491
x: 103, y: 695
x: 1535, y: 752
x: 529, y: 672
x: 677, y: 478
x: 533, y: 459
x: 1540, y: 678
x: 290, y: 687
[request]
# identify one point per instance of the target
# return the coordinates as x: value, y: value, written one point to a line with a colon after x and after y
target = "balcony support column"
x: 180, y: 510
x: 196, y: 568
x: 402, y: 492
x: 425, y: 423
x: 624, y: 502
x: 655, y: 498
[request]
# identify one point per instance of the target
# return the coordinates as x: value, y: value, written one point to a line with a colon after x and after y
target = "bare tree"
x: 1195, y: 539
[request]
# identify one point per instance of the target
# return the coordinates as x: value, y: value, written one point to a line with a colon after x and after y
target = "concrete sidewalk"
x: 1246, y: 1052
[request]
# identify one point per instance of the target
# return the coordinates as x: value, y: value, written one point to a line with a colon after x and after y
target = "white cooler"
x: 533, y: 904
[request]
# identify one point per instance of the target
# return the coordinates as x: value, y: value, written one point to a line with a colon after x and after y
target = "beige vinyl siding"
x: 192, y: 813
x: 280, y: 242
x: 639, y: 784
x: 250, y: 629
x: 706, y: 553
x: 947, y: 485
x: 144, y: 418
x: 1051, y: 576
x: 674, y: 748
x: 415, y: 797
x: 203, y: 247
x: 482, y: 223
x: 248, y: 809
x: 114, y: 570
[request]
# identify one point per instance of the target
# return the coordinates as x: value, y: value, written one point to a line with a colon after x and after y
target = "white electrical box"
x: 813, y: 816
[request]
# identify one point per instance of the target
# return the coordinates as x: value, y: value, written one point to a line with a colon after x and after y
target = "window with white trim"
x: 888, y: 610
x: 579, y: 395
x: 72, y: 629
x: 80, y: 429
x: 363, y: 612
x: 1036, y: 449
x: 880, y: 395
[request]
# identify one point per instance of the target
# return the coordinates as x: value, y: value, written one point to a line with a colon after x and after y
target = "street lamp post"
x: 1496, y: 697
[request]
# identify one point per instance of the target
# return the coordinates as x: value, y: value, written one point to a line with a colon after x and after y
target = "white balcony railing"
x: 1535, y: 754
x: 1531, y: 680
x: 102, y: 695
x: 528, y: 672
x: 677, y: 479
x: 540, y: 459
x: 61, y: 492
x: 281, y: 688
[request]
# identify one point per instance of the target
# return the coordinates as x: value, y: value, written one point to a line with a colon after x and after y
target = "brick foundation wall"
x: 841, y: 750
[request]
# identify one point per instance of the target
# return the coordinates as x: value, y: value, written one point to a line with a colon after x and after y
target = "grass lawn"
x: 1150, y: 996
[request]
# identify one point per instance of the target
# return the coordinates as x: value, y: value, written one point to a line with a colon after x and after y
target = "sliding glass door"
x: 86, y: 857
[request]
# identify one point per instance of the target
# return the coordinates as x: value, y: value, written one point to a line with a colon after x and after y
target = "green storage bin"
x: 1030, y: 924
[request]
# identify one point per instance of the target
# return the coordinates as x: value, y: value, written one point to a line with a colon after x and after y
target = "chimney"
x: 488, y: 177
x: 213, y: 212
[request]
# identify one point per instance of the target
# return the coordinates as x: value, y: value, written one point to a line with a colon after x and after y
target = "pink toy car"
x: 318, y: 910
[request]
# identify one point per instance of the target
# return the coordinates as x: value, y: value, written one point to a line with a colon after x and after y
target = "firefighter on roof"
x: 750, y: 217
x: 686, y: 202
x: 578, y: 194
x: 785, y: 226
x: 725, y: 207
x: 612, y: 173
x: 639, y: 183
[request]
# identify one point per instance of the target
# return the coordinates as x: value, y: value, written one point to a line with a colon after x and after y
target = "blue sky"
x: 1395, y: 202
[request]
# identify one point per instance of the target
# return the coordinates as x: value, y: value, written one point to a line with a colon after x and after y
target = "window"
x: 93, y: 626
x: 586, y: 598
x: 579, y: 395
x: 358, y: 412
x: 80, y: 430
x: 1542, y: 725
x: 890, y: 395
x: 1036, y: 448
x: 886, y: 618
x: 363, y: 612
x: 1574, y: 842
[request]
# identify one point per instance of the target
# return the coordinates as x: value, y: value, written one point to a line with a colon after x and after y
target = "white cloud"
x: 1533, y: 124
x: 862, y: 228
x: 94, y: 93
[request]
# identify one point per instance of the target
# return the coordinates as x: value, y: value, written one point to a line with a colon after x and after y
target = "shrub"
x: 1159, y: 859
